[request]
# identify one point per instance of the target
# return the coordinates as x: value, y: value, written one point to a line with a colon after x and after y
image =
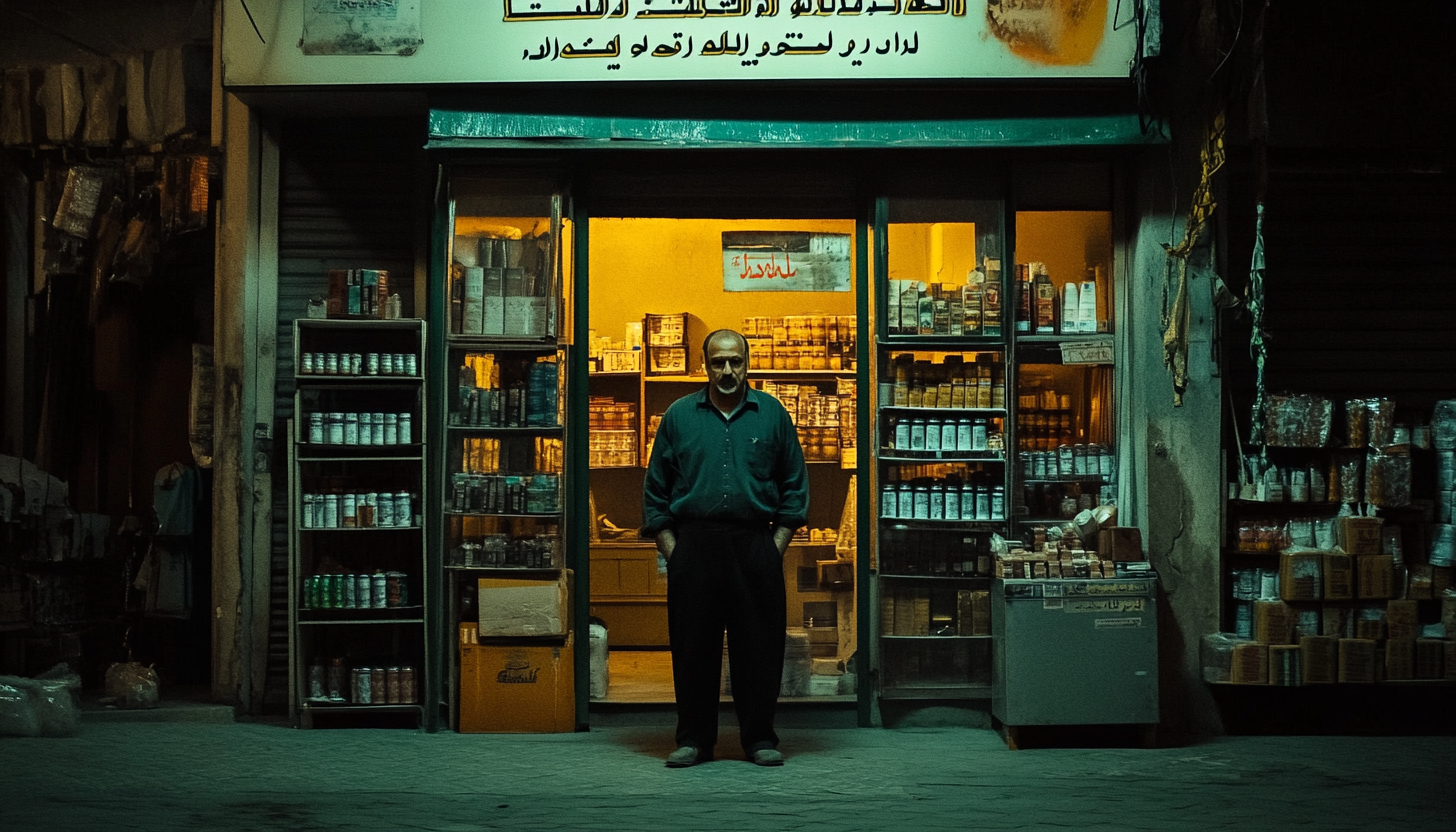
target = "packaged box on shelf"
x: 1400, y: 658
x: 523, y: 607
x: 1440, y: 580
x: 1285, y: 665
x: 1418, y: 585
x: 1357, y: 660
x: 1320, y: 660
x: 621, y: 361
x: 1250, y: 664
x: 1273, y: 622
x: 1339, y: 574
x: 1402, y: 618
x: 1430, y: 658
x: 1307, y: 619
x: 1301, y: 576
x: 1120, y: 543
x: 1337, y: 620
x: 1375, y: 576
x: 823, y: 685
x: 513, y: 688
x: 980, y: 612
x: 1360, y: 535
x: 1370, y: 622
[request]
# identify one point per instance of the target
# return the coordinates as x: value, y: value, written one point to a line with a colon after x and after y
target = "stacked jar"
x: 357, y: 510
x: 358, y: 364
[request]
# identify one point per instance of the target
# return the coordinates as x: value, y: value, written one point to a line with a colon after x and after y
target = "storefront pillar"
x: 1174, y: 456
x: 244, y: 355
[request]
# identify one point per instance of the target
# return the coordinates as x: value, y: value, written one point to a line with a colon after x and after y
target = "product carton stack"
x: 1351, y: 615
x: 517, y: 671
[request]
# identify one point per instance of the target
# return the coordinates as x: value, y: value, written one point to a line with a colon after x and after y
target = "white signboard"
x: 471, y: 41
x: 361, y: 27
x: 778, y: 261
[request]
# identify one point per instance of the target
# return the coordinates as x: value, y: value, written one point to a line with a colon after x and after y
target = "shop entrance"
x: 658, y: 286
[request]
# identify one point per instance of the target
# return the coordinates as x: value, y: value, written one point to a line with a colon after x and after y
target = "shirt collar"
x: 749, y: 400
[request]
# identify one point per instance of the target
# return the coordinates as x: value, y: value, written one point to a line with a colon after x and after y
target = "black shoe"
x: 686, y: 756
x: 766, y: 757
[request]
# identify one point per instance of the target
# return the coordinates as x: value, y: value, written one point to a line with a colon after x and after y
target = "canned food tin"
x: 351, y: 428
x: 396, y: 589
x: 391, y: 429
x: 334, y: 428
x: 316, y: 428
x: 356, y: 364
x: 363, y: 592
x: 386, y: 363
x: 330, y: 512
x: 335, y: 587
x: 305, y: 363
x: 399, y: 363
x: 310, y: 592
x: 376, y: 429
x: 406, y: 685
x: 363, y: 686
x: 391, y: 686
x: 379, y: 590
x: 306, y: 511
x: 349, y: 587
x: 331, y: 364
x: 371, y: 363
x: 403, y: 513
x: 902, y: 435
x: 405, y: 429
x: 378, y: 686
x: 349, y: 511
x: 384, y: 511
x: 411, y: 365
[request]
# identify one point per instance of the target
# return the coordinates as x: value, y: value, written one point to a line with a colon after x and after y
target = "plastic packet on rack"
x: 1297, y: 420
x: 1216, y: 655
x: 1443, y: 425
x: 1388, y: 477
x: 1262, y: 535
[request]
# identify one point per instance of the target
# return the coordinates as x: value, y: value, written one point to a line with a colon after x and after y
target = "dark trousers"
x: 726, y: 577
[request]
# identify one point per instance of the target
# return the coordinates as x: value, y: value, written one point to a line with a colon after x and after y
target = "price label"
x: 1087, y: 352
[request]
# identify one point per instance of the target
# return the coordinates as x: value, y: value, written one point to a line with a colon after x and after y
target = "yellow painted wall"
x: 671, y: 265
x: 1068, y: 242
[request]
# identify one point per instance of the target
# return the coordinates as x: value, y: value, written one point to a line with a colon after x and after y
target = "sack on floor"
x: 132, y: 686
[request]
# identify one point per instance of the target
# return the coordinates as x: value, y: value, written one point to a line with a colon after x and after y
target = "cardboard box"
x: 523, y: 607
x: 980, y: 612
x: 1421, y: 580
x: 1307, y: 620
x: 1301, y: 576
x: 1337, y: 620
x: 515, y: 688
x: 1400, y: 659
x: 1402, y: 619
x: 1357, y: 660
x: 1360, y: 535
x: 1321, y: 659
x: 1120, y: 543
x: 1430, y: 658
x: 1339, y: 574
x: 1370, y: 622
x: 1250, y: 664
x: 1285, y: 665
x: 1376, y: 576
x: 1273, y: 622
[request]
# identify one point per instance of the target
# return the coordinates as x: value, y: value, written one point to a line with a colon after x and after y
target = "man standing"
x: 725, y: 490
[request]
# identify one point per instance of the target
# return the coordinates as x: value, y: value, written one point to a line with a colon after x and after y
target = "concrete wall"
x: 1175, y: 463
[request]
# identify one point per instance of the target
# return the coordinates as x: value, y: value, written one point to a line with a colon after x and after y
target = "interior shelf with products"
x: 357, y: 571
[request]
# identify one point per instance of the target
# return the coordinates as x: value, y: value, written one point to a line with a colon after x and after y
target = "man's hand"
x: 781, y: 538
x: 666, y: 542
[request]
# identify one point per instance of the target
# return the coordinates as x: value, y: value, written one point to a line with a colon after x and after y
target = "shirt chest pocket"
x: 761, y: 458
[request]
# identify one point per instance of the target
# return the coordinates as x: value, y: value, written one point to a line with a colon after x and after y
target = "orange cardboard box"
x: 1402, y: 619
x: 1321, y: 659
x: 518, y: 688
x: 1120, y: 543
x: 1301, y: 576
x: 1360, y: 535
x: 1376, y: 575
x: 1339, y: 577
x: 1357, y: 660
x: 1250, y: 664
x: 1273, y: 622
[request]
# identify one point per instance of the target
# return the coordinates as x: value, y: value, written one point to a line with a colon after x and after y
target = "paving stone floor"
x: 196, y: 773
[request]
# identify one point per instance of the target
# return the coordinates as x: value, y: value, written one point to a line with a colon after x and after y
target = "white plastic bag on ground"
x: 17, y: 710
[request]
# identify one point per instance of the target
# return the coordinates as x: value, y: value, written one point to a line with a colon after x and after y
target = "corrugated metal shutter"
x: 348, y: 199
x: 1360, y: 300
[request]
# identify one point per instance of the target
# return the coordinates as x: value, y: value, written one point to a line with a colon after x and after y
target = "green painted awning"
x: 454, y: 128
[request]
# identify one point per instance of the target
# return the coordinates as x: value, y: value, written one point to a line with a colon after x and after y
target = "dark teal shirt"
x: 743, y: 467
